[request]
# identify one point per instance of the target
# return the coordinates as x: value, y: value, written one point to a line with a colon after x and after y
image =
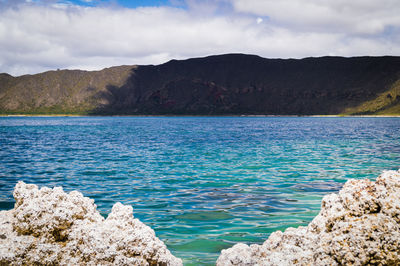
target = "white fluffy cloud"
x: 37, y: 37
x: 355, y: 17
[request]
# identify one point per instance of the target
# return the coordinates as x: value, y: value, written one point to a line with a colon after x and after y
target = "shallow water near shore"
x: 202, y: 183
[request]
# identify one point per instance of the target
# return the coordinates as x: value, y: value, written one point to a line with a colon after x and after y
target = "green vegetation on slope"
x: 59, y: 92
x: 386, y: 103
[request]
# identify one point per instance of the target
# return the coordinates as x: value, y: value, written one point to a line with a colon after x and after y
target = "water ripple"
x: 203, y: 184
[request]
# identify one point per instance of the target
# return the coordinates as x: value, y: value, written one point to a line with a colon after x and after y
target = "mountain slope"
x: 224, y: 84
x: 62, y: 91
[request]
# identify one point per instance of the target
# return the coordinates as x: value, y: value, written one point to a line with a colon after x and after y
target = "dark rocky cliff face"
x: 242, y: 84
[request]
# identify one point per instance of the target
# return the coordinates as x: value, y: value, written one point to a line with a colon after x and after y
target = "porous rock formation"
x: 358, y: 226
x: 51, y: 227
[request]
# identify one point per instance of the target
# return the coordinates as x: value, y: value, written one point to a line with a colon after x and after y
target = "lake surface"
x: 202, y: 183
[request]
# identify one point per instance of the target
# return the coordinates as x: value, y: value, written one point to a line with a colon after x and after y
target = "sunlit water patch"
x: 203, y: 184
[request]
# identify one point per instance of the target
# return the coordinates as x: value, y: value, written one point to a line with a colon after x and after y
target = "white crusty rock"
x: 49, y: 226
x: 358, y: 226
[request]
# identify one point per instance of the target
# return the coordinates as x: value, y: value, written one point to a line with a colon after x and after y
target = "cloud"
x: 36, y: 37
x: 357, y: 16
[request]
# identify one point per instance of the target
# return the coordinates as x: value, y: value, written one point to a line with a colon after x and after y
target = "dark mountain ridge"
x: 231, y: 84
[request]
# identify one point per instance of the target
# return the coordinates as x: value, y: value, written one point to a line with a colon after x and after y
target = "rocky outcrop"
x: 51, y: 227
x: 358, y: 226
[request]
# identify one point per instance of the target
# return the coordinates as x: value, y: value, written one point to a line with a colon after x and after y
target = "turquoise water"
x: 202, y: 183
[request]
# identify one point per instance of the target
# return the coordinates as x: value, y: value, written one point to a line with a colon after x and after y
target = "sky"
x: 41, y: 35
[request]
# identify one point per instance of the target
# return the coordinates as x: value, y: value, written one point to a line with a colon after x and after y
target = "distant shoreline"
x: 73, y: 115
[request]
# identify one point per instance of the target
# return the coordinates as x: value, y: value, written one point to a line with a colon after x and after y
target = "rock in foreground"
x: 358, y: 226
x: 49, y: 226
